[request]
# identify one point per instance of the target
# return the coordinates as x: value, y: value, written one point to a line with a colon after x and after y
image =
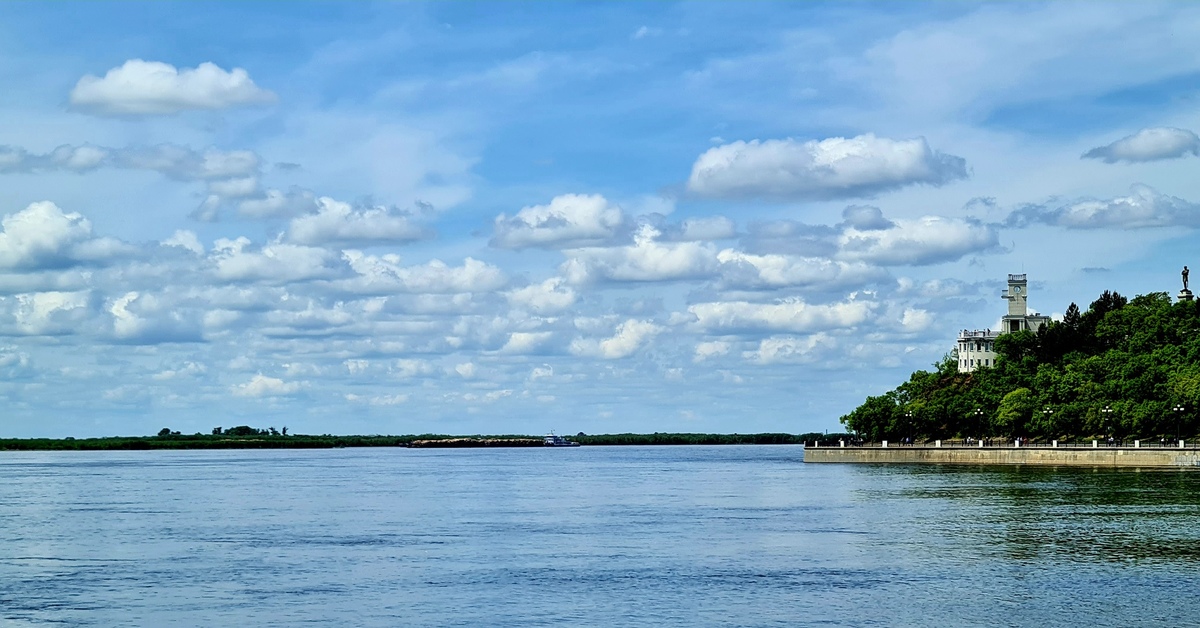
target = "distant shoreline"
x: 326, y: 441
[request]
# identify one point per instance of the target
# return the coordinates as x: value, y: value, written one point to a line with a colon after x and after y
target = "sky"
x: 497, y: 218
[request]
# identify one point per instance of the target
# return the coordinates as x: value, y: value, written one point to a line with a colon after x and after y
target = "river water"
x: 592, y: 536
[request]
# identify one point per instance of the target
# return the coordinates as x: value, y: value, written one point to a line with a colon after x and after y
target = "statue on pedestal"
x: 1185, y: 275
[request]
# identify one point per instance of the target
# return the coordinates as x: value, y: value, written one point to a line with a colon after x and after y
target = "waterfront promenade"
x: 1091, y: 454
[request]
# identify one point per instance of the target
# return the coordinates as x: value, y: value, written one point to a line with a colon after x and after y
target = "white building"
x: 977, y: 348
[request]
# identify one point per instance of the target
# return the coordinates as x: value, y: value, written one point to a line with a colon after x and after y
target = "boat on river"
x: 554, y: 440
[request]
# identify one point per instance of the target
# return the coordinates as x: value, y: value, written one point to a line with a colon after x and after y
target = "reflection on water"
x: 632, y: 536
x: 1050, y: 514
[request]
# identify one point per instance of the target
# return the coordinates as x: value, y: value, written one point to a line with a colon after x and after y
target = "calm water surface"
x: 595, y: 536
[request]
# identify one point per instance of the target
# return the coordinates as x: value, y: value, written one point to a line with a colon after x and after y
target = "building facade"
x: 977, y: 348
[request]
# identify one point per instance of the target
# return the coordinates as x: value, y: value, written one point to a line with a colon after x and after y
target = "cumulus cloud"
x: 153, y: 88
x: 630, y: 336
x: 791, y: 315
x: 747, y: 271
x: 546, y: 297
x: 568, y: 220
x: 236, y: 260
x: 647, y: 259
x: 927, y: 240
x: 146, y: 319
x: 708, y: 228
x: 186, y: 164
x: 706, y: 350
x: 1150, y: 144
x: 376, y: 400
x: 264, y: 386
x: 792, y: 349
x: 227, y: 175
x: 50, y: 313
x: 385, y: 275
x: 279, y: 203
x: 524, y: 343
x: 1143, y: 208
x: 863, y: 238
x: 185, y: 239
x: 466, y: 370
x: 837, y: 167
x: 236, y: 170
x: 41, y: 236
x: 339, y: 223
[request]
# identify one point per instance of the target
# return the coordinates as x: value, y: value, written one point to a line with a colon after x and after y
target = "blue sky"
x: 599, y: 217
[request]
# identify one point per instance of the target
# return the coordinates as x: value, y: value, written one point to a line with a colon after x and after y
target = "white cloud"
x: 188, y: 369
x: 646, y: 259
x: 710, y: 228
x: 185, y: 164
x: 790, y: 349
x: 1143, y: 208
x: 525, y: 343
x: 143, y: 318
x: 278, y: 203
x: 706, y: 350
x: 51, y: 313
x: 407, y: 368
x: 568, y: 220
x: 792, y: 315
x: 42, y: 236
x: 546, y: 297
x: 185, y: 239
x: 385, y: 275
x: 927, y: 240
x: 746, y: 271
x: 263, y: 386
x: 275, y: 262
x: 646, y: 31
x: 837, y: 167
x: 79, y: 158
x: 1148, y: 145
x: 630, y: 336
x: 377, y: 400
x: 337, y: 222
x: 466, y: 370
x: 541, y: 372
x: 149, y: 87
x: 234, y: 188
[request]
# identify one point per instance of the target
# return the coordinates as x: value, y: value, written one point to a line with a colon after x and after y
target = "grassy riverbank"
x: 326, y: 441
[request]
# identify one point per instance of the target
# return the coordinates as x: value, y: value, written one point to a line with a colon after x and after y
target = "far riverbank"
x: 326, y: 441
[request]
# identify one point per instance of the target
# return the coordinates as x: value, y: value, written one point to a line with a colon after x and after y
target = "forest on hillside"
x: 1124, y: 368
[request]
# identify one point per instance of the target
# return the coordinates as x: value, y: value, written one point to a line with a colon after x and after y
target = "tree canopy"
x: 1124, y: 368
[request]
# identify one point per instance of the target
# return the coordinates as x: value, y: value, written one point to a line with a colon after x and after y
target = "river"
x: 589, y: 536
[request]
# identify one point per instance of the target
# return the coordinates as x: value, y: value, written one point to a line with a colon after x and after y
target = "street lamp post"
x: 1178, y: 419
x: 1047, y: 414
x: 1108, y: 422
x: 909, y: 415
x: 978, y: 421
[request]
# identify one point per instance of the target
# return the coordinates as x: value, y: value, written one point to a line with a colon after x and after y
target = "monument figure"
x: 1185, y: 274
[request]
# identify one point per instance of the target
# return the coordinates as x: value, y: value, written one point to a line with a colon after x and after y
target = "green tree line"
x: 1123, y: 369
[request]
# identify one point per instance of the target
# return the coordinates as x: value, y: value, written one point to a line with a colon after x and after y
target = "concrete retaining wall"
x: 1047, y: 456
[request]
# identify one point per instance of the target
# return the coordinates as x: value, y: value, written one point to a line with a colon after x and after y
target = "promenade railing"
x: 995, y: 443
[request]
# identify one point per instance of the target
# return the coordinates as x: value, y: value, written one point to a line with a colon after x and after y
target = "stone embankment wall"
x: 1046, y: 456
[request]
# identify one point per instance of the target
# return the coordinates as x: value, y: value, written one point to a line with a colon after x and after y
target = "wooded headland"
x: 1124, y: 369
